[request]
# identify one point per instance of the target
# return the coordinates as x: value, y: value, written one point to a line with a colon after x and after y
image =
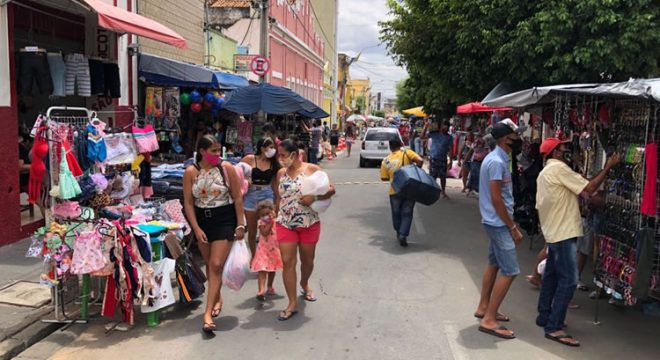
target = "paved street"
x: 376, y: 300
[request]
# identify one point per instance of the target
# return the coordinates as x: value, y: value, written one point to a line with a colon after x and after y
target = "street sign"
x: 242, y: 62
x: 260, y: 66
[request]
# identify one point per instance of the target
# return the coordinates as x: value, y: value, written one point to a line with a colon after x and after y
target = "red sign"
x: 260, y: 66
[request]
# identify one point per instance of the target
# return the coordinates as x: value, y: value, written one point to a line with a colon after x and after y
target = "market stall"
x: 601, y: 119
x: 101, y: 220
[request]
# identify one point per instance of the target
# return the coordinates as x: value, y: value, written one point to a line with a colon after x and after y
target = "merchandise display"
x: 101, y: 223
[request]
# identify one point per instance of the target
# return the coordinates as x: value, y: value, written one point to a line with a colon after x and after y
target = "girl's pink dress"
x: 267, y: 257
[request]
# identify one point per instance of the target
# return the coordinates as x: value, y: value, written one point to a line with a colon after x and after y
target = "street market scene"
x: 332, y: 179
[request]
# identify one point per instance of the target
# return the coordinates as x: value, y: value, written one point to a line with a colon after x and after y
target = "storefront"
x: 69, y: 54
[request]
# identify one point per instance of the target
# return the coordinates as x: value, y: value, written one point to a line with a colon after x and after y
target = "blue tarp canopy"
x: 158, y: 70
x: 271, y: 99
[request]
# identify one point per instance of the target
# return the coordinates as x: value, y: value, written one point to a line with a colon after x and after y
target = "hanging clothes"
x: 649, y: 197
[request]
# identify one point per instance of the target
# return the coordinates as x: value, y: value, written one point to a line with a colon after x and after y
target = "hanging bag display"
x: 414, y: 183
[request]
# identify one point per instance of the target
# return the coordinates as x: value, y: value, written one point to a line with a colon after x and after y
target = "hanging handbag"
x: 189, y: 277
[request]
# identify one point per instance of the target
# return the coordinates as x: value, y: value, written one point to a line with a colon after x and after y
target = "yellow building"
x: 358, y: 95
x: 326, y: 10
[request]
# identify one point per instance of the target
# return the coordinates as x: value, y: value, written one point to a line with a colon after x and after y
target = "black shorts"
x: 97, y: 76
x: 33, y: 66
x: 111, y: 77
x: 438, y: 168
x: 217, y: 223
x: 334, y: 141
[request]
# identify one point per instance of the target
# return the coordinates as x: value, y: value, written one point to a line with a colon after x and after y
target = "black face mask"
x: 516, y: 146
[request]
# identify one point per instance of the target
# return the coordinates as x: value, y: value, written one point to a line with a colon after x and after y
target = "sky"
x: 358, y: 30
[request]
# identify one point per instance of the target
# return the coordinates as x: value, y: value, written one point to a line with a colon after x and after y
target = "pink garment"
x: 649, y: 198
x: 145, y: 139
x: 87, y: 255
x: 245, y: 132
x: 267, y: 256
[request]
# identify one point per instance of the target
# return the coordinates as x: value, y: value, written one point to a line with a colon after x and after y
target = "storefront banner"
x: 242, y: 62
x: 172, y: 104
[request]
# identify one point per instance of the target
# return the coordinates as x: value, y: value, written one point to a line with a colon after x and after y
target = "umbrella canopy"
x: 476, y: 107
x: 417, y: 111
x: 272, y: 99
x: 356, y: 117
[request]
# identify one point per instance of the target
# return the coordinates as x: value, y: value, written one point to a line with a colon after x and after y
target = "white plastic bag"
x: 317, y: 184
x: 237, y: 266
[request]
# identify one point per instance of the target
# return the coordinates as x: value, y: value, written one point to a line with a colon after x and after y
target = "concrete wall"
x: 326, y: 26
x: 186, y: 17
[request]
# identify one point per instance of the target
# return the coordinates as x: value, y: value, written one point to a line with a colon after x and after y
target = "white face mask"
x: 270, y: 153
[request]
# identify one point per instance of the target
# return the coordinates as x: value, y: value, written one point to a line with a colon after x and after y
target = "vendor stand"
x: 601, y: 119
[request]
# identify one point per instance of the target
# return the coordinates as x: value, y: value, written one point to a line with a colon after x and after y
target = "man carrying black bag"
x: 402, y: 207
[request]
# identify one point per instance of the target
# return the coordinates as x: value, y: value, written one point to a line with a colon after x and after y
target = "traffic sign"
x: 260, y: 66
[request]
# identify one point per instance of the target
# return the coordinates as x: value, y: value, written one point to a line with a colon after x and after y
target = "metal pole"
x: 263, y: 48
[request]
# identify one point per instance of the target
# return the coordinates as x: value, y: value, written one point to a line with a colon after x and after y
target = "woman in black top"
x: 334, y: 139
x: 264, y: 168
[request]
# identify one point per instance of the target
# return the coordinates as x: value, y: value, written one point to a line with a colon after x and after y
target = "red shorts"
x: 303, y: 235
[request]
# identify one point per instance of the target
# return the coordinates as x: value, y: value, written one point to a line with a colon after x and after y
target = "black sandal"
x: 286, y: 315
x: 208, y: 328
x: 560, y: 337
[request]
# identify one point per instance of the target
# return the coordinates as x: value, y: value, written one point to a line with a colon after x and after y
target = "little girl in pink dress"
x: 267, y: 258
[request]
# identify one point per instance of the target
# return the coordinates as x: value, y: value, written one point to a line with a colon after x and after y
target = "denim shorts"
x: 502, y: 250
x: 254, y: 196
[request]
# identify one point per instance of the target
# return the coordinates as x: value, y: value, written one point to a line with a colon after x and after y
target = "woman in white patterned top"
x: 214, y: 207
x: 298, y: 226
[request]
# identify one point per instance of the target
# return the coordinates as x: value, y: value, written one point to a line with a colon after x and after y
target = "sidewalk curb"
x: 27, y: 334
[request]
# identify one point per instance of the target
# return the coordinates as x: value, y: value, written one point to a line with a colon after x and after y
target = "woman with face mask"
x: 264, y: 166
x: 298, y: 226
x: 214, y: 207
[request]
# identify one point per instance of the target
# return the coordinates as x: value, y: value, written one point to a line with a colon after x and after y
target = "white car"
x: 375, y: 144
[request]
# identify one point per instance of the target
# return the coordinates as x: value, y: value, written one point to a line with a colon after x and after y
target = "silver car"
x: 375, y: 145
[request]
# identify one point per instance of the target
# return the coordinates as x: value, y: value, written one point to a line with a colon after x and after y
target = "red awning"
x: 475, y: 107
x: 120, y: 20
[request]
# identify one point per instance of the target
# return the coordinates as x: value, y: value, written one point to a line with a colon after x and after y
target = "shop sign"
x: 242, y: 62
x: 260, y: 65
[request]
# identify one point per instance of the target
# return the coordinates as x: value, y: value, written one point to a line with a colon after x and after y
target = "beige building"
x: 326, y: 11
x: 186, y: 17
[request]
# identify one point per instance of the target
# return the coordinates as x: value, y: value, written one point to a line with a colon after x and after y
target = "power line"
x: 321, y: 26
x: 249, y: 26
x: 300, y: 21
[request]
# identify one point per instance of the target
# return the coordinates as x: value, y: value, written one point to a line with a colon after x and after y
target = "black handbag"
x: 189, y: 276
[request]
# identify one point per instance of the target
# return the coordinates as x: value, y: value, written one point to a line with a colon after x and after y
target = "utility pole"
x: 263, y: 48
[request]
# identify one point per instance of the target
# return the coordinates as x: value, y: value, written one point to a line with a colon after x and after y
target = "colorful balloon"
x: 209, y: 97
x: 184, y: 98
x: 217, y: 106
x: 208, y: 105
x: 196, y: 107
x: 195, y: 96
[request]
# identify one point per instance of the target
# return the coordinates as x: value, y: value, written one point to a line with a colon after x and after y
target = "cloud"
x: 359, y: 31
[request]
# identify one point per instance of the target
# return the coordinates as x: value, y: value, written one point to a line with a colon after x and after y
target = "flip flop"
x: 208, y: 328
x: 271, y: 291
x: 287, y: 315
x: 216, y: 312
x: 559, y: 338
x: 495, y: 333
x: 498, y: 317
x: 261, y: 297
x: 308, y: 296
x: 534, y: 281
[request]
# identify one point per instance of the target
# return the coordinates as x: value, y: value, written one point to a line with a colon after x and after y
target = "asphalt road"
x: 376, y: 299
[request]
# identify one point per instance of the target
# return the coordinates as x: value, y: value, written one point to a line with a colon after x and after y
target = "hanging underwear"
x: 38, y: 166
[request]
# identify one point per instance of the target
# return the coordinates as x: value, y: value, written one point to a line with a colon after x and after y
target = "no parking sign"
x: 260, y: 65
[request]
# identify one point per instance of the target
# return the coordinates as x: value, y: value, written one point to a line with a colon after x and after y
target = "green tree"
x: 379, y: 113
x: 359, y: 103
x: 457, y: 50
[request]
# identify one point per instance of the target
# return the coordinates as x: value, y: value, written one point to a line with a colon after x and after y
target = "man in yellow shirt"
x: 402, y: 207
x: 559, y: 213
